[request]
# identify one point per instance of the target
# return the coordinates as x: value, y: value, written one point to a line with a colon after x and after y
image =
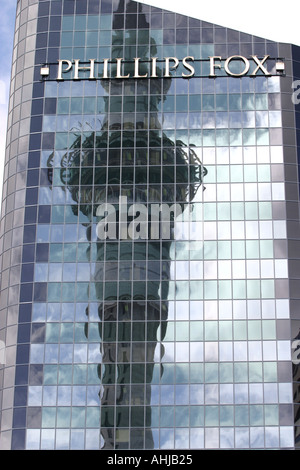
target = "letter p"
x: 61, y: 70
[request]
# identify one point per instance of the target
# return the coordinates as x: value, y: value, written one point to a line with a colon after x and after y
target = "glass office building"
x: 149, y: 233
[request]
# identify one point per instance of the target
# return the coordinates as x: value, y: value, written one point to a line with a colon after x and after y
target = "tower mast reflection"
x: 131, y: 276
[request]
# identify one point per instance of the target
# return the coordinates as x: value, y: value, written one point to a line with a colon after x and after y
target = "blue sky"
x: 7, y: 24
x: 264, y: 19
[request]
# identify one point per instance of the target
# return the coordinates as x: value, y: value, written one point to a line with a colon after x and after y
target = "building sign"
x: 233, y: 66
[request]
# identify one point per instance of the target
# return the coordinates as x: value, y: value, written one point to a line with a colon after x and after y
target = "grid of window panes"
x: 295, y: 329
x: 198, y: 362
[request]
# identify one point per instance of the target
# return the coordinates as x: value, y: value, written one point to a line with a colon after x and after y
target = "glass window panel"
x: 262, y: 136
x: 255, y: 371
x: 51, y: 353
x: 249, y: 137
x: 262, y: 119
x: 275, y: 119
x: 256, y: 393
x: 256, y: 416
x: 248, y: 119
x: 221, y: 102
x: 238, y: 249
x: 48, y: 419
x: 241, y: 397
x: 271, y: 416
x: 225, y: 330
x: 235, y: 102
x: 248, y: 102
x: 211, y: 331
x: 235, y: 119
x: 254, y: 330
x: 261, y: 101
x: 207, y: 102
x: 196, y: 331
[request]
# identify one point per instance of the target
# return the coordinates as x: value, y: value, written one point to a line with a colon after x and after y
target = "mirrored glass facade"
x: 119, y: 328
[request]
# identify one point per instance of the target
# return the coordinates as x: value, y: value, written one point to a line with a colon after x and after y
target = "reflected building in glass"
x: 149, y: 233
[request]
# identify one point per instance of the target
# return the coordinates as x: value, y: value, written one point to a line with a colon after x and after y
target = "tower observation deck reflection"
x: 133, y: 158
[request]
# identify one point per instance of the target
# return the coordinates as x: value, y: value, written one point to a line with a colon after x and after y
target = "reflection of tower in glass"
x: 132, y: 157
